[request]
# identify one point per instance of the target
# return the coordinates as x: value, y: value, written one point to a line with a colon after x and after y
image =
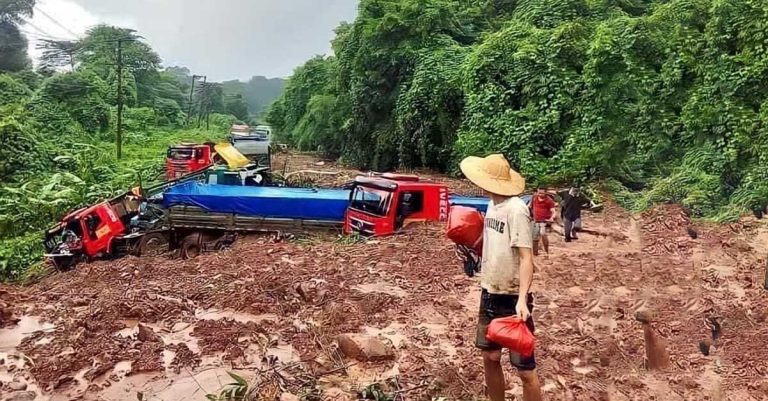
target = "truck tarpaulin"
x: 287, y: 203
x: 474, y: 202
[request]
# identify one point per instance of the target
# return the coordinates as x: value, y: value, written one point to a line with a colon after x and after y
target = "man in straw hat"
x: 507, y: 268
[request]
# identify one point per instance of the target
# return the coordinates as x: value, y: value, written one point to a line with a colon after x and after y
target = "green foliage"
x: 58, y: 53
x: 222, y: 122
x: 13, y: 47
x: 20, y: 151
x: 168, y: 113
x: 138, y: 119
x: 236, y: 106
x: 79, y: 174
x: 235, y: 391
x: 98, y: 50
x: 15, y: 10
x: 57, y: 130
x: 668, y: 99
x: 12, y: 91
x: 259, y: 92
x: 82, y: 95
x: 17, y: 253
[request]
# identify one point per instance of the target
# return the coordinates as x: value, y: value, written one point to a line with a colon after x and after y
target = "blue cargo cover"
x: 270, y: 202
x: 274, y: 202
x: 478, y: 202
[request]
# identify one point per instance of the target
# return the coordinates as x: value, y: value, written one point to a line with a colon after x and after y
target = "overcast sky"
x: 224, y: 39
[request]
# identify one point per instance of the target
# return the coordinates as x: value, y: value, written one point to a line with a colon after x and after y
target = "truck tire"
x: 191, y: 246
x: 64, y: 263
x: 153, y: 244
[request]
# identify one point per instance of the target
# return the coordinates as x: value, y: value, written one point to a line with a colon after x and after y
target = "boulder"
x: 305, y: 290
x: 146, y: 334
x: 22, y: 396
x: 364, y: 348
x: 17, y: 386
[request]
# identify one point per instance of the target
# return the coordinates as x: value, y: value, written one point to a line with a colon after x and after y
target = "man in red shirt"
x: 543, y: 210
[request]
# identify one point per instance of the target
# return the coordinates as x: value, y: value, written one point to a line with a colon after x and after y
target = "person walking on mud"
x: 572, y: 202
x: 543, y: 210
x: 507, y: 269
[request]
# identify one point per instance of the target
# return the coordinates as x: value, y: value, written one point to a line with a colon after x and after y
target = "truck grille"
x: 362, y: 227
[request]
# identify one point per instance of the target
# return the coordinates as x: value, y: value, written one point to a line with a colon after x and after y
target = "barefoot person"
x: 507, y: 268
x: 543, y: 210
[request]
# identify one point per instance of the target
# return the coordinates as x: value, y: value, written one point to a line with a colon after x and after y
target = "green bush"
x: 137, y: 119
x: 169, y: 113
x: 17, y: 254
x: 574, y: 90
x: 12, y: 91
x: 20, y: 152
x: 222, y: 122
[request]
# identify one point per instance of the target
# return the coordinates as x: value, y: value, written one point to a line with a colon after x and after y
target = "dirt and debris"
x: 272, y: 312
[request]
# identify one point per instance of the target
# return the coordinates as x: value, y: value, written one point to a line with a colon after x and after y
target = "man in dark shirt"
x: 572, y: 201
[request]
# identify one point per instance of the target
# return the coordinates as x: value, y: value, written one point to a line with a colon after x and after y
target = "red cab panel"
x: 186, y: 158
x: 100, y: 225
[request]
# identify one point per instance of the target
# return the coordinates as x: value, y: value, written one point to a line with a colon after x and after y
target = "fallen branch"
x: 420, y: 386
x: 317, y: 172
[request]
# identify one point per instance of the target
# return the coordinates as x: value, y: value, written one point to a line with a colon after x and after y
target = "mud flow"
x: 321, y: 318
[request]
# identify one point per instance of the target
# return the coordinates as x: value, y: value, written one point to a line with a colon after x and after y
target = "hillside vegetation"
x: 660, y: 100
x: 58, y: 123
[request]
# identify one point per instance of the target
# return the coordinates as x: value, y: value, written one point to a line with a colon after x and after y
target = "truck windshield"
x: 369, y: 200
x: 181, y: 153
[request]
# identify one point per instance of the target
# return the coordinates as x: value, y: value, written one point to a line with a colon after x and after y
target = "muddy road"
x: 323, y: 318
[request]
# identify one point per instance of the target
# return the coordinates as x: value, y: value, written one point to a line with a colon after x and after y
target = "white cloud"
x: 62, y: 20
x: 222, y: 39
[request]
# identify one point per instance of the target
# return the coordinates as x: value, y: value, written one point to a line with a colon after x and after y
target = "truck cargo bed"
x: 261, y: 202
x: 194, y: 217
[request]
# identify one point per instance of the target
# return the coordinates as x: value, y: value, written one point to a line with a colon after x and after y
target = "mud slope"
x: 271, y: 311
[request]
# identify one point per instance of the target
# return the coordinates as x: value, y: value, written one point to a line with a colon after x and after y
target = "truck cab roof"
x: 391, y: 182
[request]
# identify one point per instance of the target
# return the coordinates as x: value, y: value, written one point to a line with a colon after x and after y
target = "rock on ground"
x: 364, y: 348
x: 21, y: 396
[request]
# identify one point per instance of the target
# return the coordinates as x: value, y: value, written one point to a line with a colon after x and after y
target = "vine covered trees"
x: 666, y: 98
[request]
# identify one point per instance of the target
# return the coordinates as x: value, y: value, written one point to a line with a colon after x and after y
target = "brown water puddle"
x: 11, y: 337
x: 15, y: 363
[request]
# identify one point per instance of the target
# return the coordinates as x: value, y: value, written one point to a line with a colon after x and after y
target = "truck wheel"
x: 190, y: 246
x: 153, y: 244
x: 64, y: 263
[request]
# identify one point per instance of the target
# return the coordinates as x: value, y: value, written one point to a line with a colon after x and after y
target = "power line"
x: 28, y: 22
x: 56, y: 22
x: 38, y: 36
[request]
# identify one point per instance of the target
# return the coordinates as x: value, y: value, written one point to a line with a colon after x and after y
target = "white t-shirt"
x: 508, y: 226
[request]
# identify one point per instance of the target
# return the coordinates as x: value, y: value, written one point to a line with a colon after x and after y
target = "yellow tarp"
x: 232, y: 156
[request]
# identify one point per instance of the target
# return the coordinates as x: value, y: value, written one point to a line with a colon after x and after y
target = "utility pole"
x: 200, y: 112
x: 191, y: 93
x: 119, y: 136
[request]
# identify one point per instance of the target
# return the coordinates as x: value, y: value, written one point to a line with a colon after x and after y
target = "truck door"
x: 410, y: 205
x: 100, y: 226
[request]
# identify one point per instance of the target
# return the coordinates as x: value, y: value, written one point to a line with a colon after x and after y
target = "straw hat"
x: 493, y: 174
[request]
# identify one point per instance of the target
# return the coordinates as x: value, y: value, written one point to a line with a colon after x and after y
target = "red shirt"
x: 542, y: 208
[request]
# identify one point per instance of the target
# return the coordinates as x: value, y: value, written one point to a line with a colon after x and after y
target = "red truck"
x: 195, y: 217
x: 188, y: 158
x: 382, y: 205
